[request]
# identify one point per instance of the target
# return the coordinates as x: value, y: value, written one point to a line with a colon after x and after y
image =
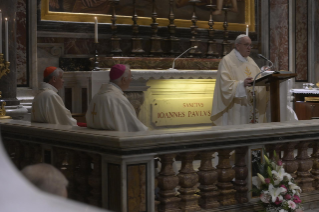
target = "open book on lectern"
x: 266, y: 75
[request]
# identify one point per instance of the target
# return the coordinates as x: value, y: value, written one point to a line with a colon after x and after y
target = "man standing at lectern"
x: 110, y: 109
x: 233, y: 99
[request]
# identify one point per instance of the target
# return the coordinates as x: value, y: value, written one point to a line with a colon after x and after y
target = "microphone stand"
x: 254, y: 94
x: 173, y: 65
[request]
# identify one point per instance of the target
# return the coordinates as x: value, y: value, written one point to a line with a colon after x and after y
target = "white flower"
x: 295, y: 189
x: 288, y: 176
x: 291, y: 204
x: 265, y: 197
x: 275, y: 192
x: 256, y: 181
x: 279, y: 175
x: 283, y: 210
x: 262, y: 179
x: 274, y: 166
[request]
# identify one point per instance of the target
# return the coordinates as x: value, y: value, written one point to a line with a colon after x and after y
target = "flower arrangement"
x: 276, y: 188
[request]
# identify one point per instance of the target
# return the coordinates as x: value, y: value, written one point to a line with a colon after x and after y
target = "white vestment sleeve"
x: 111, y: 110
x: 240, y: 90
x: 125, y: 118
x: 57, y: 112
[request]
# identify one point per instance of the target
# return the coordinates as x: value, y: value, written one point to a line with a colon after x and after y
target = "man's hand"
x: 265, y: 68
x: 248, y: 81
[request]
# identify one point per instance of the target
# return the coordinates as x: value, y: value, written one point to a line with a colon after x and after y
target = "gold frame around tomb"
x: 87, y: 17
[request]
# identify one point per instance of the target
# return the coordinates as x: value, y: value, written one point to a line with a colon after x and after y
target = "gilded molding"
x: 47, y: 15
x: 4, y: 66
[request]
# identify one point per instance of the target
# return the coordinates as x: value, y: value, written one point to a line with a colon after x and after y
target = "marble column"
x: 8, y: 82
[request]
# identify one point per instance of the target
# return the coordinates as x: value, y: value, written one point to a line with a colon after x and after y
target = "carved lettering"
x: 181, y: 111
x: 182, y: 114
x: 198, y: 113
x: 193, y: 104
x: 171, y: 115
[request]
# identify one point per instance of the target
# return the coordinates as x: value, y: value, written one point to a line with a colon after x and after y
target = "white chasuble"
x: 232, y: 102
x: 48, y: 107
x: 111, y: 110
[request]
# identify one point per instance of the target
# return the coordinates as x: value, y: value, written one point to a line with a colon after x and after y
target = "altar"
x: 161, y: 98
x: 306, y: 103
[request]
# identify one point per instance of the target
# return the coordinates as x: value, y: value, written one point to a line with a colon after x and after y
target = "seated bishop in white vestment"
x: 47, y: 105
x: 110, y: 109
x: 233, y: 99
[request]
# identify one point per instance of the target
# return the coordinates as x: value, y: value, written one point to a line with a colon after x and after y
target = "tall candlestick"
x: 0, y: 32
x: 6, y: 40
x: 247, y: 28
x: 95, y: 31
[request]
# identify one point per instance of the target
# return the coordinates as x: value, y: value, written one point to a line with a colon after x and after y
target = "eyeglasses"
x: 130, y: 77
x: 247, y: 45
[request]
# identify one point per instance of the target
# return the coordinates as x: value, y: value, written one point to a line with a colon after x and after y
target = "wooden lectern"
x: 273, y: 80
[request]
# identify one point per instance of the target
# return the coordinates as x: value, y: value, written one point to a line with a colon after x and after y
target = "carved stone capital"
x: 51, y: 49
x: 136, y: 98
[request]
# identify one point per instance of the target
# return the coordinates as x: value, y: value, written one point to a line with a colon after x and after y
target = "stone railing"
x: 117, y: 170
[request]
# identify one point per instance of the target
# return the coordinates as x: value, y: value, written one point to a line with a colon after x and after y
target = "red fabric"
x: 48, y: 71
x: 117, y: 71
x: 80, y: 124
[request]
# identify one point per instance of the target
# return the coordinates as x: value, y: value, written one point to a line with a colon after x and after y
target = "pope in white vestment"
x: 110, y: 109
x: 47, y: 105
x: 233, y: 101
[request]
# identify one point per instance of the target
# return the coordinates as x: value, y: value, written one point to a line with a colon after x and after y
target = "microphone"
x: 263, y: 57
x: 173, y: 65
x: 254, y: 94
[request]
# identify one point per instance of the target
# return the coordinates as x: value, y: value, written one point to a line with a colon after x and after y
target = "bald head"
x: 47, y: 178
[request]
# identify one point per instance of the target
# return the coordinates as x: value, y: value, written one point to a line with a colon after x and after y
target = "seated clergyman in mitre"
x: 110, y: 109
x: 47, y: 105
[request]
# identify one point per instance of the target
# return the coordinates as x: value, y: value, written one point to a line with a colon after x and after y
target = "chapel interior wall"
x: 60, y: 43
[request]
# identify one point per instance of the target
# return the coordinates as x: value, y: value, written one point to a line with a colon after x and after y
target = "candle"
x: 95, y: 31
x: 0, y: 32
x: 6, y: 40
x: 247, y: 29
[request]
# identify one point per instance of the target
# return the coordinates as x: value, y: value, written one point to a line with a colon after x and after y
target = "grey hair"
x: 46, y: 177
x: 239, y: 37
x: 126, y: 73
x: 55, y: 73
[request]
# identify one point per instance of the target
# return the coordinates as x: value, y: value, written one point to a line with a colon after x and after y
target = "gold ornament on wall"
x: 248, y: 10
x: 3, y: 110
x: 4, y: 66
